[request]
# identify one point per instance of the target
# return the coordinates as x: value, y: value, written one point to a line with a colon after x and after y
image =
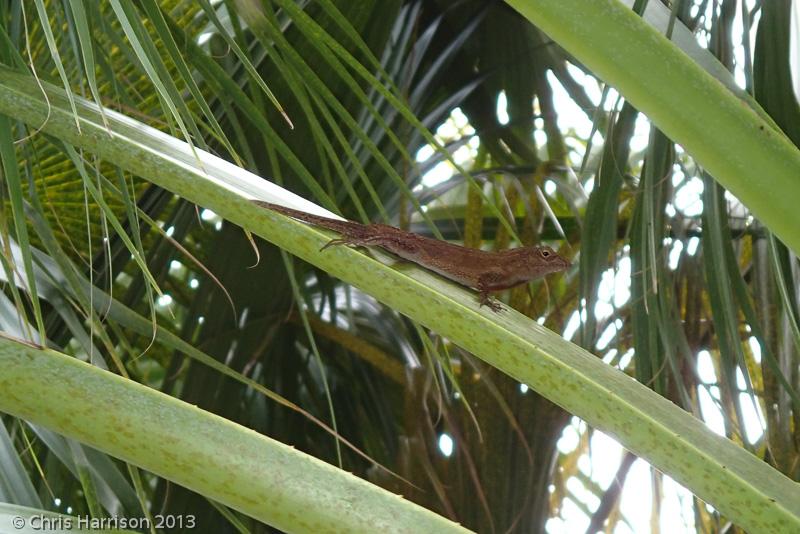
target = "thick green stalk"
x: 224, y: 461
x: 737, y: 483
x: 723, y: 133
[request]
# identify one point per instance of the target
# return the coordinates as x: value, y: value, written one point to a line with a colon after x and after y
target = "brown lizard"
x: 479, y: 269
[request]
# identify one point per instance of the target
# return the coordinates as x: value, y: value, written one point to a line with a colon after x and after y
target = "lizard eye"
x: 545, y: 253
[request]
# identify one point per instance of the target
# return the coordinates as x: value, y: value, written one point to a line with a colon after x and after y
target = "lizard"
x: 484, y: 271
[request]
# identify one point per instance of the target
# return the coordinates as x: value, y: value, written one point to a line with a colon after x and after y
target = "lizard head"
x: 544, y: 260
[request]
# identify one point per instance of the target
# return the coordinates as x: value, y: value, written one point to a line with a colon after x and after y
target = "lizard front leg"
x: 491, y: 303
x: 485, y: 282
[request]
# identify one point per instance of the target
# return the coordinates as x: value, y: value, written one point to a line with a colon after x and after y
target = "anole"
x: 478, y: 269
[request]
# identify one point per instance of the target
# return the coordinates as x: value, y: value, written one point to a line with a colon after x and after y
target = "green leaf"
x: 713, y: 467
x: 741, y: 149
x: 266, y: 479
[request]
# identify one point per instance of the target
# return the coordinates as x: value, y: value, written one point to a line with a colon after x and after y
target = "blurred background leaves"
x: 340, y: 102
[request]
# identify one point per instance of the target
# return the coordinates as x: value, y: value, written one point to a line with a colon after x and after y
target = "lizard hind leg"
x: 356, y: 241
x: 350, y: 240
x: 341, y: 241
x: 336, y: 242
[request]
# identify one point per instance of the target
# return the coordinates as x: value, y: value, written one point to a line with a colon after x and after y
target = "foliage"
x: 334, y: 101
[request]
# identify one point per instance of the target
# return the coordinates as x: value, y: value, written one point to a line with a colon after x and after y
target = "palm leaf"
x: 643, y: 421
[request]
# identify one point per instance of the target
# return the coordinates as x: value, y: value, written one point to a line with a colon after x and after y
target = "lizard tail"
x: 344, y: 227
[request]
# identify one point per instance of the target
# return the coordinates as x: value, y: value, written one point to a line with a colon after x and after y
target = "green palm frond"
x: 123, y: 247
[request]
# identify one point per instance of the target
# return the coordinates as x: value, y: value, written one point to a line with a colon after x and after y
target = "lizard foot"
x: 489, y: 302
